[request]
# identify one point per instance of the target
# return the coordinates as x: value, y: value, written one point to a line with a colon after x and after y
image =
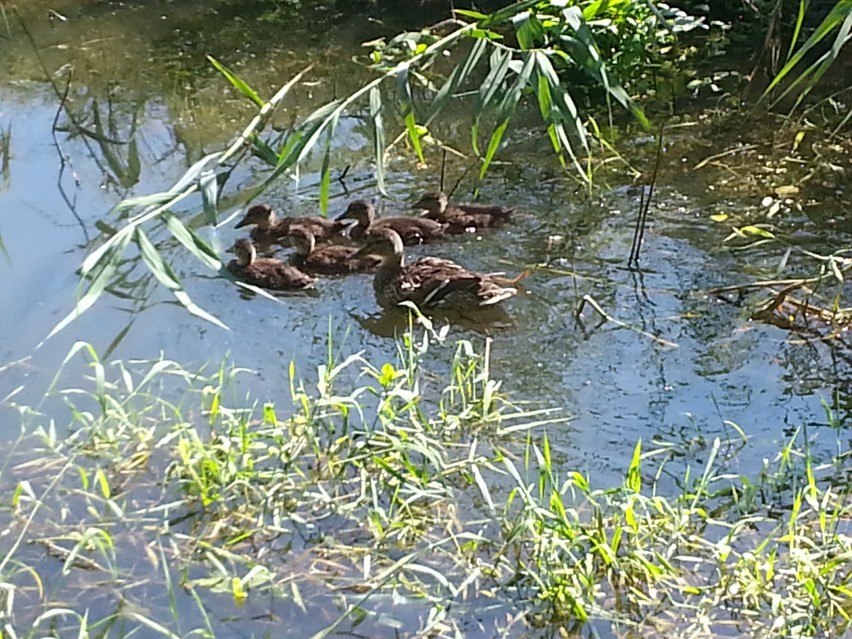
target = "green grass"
x: 173, y: 505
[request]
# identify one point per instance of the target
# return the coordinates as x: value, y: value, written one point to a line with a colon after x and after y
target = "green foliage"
x: 807, y: 63
x: 526, y: 53
x: 359, y: 490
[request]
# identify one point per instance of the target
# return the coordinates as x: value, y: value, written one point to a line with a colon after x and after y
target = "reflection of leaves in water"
x: 5, y: 162
x: 115, y: 139
x: 6, y: 154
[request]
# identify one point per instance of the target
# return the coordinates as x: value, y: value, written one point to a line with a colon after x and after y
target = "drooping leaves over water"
x: 521, y: 52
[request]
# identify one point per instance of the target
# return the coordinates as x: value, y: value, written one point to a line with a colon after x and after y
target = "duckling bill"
x: 266, y: 272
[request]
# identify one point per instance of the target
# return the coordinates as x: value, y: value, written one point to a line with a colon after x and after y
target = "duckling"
x: 412, y: 230
x: 328, y: 260
x: 430, y: 282
x: 264, y: 271
x: 462, y: 217
x: 269, y: 228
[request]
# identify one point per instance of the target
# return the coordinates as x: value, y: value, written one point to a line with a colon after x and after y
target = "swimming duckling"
x: 430, y: 282
x: 462, y: 217
x: 412, y: 230
x: 266, y: 272
x: 328, y: 260
x: 269, y: 228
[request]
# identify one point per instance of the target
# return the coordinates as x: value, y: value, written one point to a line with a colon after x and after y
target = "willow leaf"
x: 528, y: 30
x: 167, y: 277
x: 513, y: 95
x: 564, y: 110
x: 507, y: 13
x: 407, y: 105
x: 94, y: 259
x: 241, y: 86
x: 489, y: 90
x: 583, y: 52
x: 193, y: 173
x: 414, y: 135
x: 156, y: 263
x: 378, y: 136
x: 325, y: 171
x: 494, y: 80
x: 493, y: 145
x: 100, y: 275
x: 209, y: 187
x: 195, y: 244
x: 262, y: 150
x: 467, y: 13
x: 443, y: 95
x: 183, y: 297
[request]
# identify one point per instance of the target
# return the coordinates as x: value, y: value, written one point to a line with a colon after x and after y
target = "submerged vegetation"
x: 390, y: 507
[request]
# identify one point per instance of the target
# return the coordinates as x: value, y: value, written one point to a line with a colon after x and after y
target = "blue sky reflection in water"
x: 617, y: 384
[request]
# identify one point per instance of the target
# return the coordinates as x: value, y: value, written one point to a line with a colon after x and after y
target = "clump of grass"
x: 390, y: 506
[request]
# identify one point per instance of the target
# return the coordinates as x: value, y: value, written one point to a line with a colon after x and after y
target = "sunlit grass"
x: 172, y: 505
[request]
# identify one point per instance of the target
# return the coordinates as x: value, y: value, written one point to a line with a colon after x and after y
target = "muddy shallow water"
x: 685, y: 364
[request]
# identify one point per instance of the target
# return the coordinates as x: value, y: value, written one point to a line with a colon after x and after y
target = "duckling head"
x: 359, y: 210
x: 244, y: 251
x: 302, y: 240
x: 384, y: 242
x: 432, y: 201
x: 261, y: 215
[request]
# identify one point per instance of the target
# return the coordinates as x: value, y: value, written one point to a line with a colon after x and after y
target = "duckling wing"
x: 276, y: 275
x: 412, y: 230
x: 340, y: 259
x: 434, y: 282
x: 502, y: 213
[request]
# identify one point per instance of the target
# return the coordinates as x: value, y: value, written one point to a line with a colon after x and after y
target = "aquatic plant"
x: 372, y: 501
x: 518, y: 52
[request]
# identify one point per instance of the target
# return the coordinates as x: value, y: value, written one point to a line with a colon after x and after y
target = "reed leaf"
x: 839, y: 19
x: 241, y: 86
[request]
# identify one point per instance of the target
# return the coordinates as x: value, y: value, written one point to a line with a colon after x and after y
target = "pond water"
x: 685, y: 364
x: 616, y: 383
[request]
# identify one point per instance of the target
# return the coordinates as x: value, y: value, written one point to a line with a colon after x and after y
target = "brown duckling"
x: 332, y: 259
x: 266, y: 272
x: 269, y: 228
x: 462, y: 217
x: 412, y: 230
x: 430, y: 282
